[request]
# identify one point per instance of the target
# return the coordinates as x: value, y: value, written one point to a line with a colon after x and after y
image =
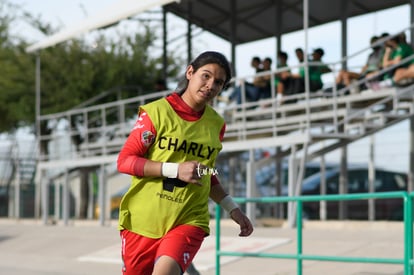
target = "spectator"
x: 405, y: 75
x: 317, y: 70
x: 282, y: 78
x: 252, y: 90
x: 300, y: 55
x: 264, y: 82
x: 289, y: 83
x: 295, y: 83
x: 373, y: 64
x: 282, y: 58
x: 395, y: 51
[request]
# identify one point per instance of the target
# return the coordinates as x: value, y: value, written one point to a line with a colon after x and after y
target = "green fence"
x: 406, y: 261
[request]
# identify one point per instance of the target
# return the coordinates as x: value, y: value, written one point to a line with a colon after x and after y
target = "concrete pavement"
x: 28, y: 247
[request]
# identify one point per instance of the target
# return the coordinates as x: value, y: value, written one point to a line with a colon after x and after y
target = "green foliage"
x: 71, y: 72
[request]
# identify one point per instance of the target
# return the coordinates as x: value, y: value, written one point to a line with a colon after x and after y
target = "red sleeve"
x: 131, y: 158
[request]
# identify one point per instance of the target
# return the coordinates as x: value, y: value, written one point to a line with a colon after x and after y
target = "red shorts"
x: 140, y: 253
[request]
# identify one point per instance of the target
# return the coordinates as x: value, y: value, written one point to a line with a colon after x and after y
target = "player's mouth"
x: 205, y: 94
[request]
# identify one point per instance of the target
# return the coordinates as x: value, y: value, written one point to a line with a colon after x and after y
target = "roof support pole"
x: 412, y: 20
x: 164, y: 45
x: 344, y: 31
x: 38, y: 134
x: 233, y: 13
x: 306, y: 61
x: 278, y: 26
x: 189, y: 34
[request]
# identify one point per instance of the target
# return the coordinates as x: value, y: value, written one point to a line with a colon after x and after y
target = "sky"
x: 391, y: 144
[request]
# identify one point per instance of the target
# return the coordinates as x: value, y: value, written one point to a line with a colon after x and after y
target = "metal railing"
x: 406, y: 261
x: 101, y: 129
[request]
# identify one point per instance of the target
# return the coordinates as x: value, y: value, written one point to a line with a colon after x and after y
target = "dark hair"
x: 256, y: 59
x: 209, y: 57
x: 282, y: 54
x: 319, y: 51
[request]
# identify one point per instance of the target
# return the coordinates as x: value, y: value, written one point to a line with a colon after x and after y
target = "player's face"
x: 205, y: 83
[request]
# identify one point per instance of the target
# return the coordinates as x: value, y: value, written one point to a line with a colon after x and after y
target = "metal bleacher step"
x: 326, y: 136
x: 405, y: 106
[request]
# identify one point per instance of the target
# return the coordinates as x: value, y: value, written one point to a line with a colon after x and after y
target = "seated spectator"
x: 282, y: 58
x: 316, y: 71
x: 395, y: 51
x: 253, y: 91
x: 263, y: 82
x: 289, y: 83
x: 300, y: 55
x: 295, y: 83
x: 403, y: 75
x: 373, y: 64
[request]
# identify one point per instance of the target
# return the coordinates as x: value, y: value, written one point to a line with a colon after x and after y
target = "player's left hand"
x: 246, y: 227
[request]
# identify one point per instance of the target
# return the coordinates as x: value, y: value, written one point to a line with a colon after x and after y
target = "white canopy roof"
x: 118, y: 11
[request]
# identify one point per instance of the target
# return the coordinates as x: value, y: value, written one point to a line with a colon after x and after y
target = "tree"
x: 71, y: 72
x: 77, y: 68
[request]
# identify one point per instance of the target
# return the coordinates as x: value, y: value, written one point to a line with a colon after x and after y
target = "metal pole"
x: 164, y: 44
x: 371, y: 178
x: 57, y: 200
x: 91, y: 203
x: 292, y: 175
x: 306, y: 61
x: 101, y: 194
x: 279, y: 182
x: 218, y: 235
x: 45, y: 196
x: 322, y: 203
x: 37, y: 118
x: 278, y: 26
x: 344, y: 31
x: 233, y: 4
x: 343, y: 182
x: 189, y: 34
x: 412, y: 20
x: 251, y: 184
x: 411, y: 158
x: 65, y: 202
x: 17, y: 188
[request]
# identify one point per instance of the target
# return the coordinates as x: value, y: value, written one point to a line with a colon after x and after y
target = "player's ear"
x: 189, y: 72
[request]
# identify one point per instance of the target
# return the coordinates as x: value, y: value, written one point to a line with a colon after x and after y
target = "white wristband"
x: 228, y: 204
x: 169, y: 169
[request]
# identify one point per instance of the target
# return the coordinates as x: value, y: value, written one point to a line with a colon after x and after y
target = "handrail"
x: 406, y: 261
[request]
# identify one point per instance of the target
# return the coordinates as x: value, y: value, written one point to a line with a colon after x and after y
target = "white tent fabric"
x: 118, y: 11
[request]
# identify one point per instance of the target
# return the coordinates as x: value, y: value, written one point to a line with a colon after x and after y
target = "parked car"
x: 385, y: 181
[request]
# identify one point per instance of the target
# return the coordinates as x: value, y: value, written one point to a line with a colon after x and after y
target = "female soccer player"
x: 171, y: 153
